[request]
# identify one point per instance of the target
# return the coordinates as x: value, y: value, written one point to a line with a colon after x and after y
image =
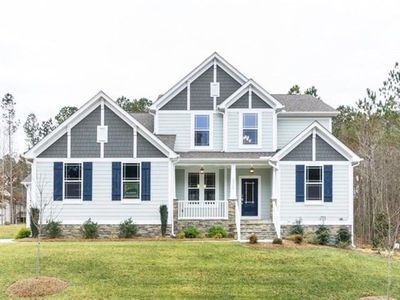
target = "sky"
x: 58, y: 53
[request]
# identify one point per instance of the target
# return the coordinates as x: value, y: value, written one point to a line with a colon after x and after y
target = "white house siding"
x: 233, y: 133
x: 102, y: 209
x: 289, y: 128
x: 335, y: 212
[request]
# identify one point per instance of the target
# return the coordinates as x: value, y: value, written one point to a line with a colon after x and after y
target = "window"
x: 73, y: 181
x: 202, y: 130
x: 201, y: 186
x: 131, y: 181
x: 250, y: 129
x: 194, y: 186
x: 209, y: 186
x: 314, y: 183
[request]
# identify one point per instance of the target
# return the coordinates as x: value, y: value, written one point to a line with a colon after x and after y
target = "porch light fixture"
x: 201, y: 170
x: 252, y: 170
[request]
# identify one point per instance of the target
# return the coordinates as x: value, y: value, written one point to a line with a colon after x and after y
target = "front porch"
x: 236, y: 196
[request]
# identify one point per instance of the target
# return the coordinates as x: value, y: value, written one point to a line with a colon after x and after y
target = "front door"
x: 249, y: 197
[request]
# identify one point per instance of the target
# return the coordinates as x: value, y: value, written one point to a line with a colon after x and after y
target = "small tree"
x: 164, y: 219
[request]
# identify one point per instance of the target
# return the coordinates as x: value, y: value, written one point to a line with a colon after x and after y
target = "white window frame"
x: 211, y: 130
x: 131, y: 200
x: 65, y: 180
x: 314, y: 202
x: 259, y: 129
x: 201, y: 183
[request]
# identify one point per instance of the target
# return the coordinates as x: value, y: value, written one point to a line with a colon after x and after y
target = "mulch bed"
x: 36, y: 287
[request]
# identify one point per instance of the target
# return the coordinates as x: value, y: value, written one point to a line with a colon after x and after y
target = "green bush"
x: 277, y: 241
x: 253, y: 239
x: 53, y: 229
x: 343, y: 237
x: 127, y: 229
x: 297, y: 228
x: 180, y: 235
x: 164, y: 219
x: 216, y: 230
x: 89, y: 229
x: 311, y: 238
x: 191, y: 232
x: 322, y: 235
x: 34, y: 221
x: 24, y: 232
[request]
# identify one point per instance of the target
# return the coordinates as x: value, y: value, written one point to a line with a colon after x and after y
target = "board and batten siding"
x: 290, y: 127
x: 335, y: 211
x: 233, y: 134
x: 102, y: 209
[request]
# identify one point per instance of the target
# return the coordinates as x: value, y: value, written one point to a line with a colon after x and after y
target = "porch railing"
x: 203, y: 210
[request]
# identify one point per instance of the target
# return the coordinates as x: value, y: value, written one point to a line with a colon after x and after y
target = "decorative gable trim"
x: 195, y: 73
x: 84, y: 111
x: 317, y: 129
x: 251, y: 86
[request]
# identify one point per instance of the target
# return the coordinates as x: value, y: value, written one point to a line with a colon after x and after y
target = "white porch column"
x: 233, y: 194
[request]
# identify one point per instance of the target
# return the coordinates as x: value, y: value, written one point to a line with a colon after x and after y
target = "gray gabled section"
x: 200, y: 91
x: 56, y: 150
x: 84, y: 136
x: 179, y: 102
x: 146, y: 149
x: 227, y: 85
x: 120, y: 136
x: 257, y: 102
x: 242, y: 102
x: 325, y: 152
x: 303, y: 151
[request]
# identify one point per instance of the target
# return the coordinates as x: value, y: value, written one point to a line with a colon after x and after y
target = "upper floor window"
x: 250, y: 129
x: 202, y: 130
x: 131, y: 181
x: 314, y: 183
x: 73, y: 181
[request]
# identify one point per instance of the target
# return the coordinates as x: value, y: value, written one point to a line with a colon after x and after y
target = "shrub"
x: 322, y: 235
x: 218, y: 236
x: 34, y: 221
x: 298, y: 238
x: 24, y: 232
x: 53, y: 229
x: 191, y: 232
x: 217, y: 230
x: 127, y: 229
x: 277, y: 241
x: 253, y: 239
x: 89, y: 229
x: 380, y: 230
x: 311, y: 238
x: 180, y: 235
x: 164, y: 219
x: 343, y: 237
x: 297, y: 228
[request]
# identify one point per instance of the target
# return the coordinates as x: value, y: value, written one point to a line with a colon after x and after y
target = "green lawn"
x: 9, y: 231
x: 209, y: 270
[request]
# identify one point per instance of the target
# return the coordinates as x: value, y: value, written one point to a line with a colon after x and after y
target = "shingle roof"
x: 302, y: 103
x: 146, y: 119
x: 167, y: 139
x: 210, y: 154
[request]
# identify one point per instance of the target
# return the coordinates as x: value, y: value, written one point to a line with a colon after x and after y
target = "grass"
x: 198, y: 270
x: 9, y: 231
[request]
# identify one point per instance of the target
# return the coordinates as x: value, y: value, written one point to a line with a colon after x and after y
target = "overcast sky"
x: 57, y: 53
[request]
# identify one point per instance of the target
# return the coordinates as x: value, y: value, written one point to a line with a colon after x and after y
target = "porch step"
x: 264, y: 230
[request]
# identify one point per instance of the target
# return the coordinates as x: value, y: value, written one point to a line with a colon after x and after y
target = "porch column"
x: 234, y: 198
x: 233, y: 194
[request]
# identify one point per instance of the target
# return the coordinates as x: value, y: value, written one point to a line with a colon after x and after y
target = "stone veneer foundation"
x: 285, y: 229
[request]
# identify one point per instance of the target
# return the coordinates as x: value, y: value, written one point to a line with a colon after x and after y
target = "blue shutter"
x: 87, y: 181
x: 146, y: 180
x: 328, y: 183
x: 58, y: 181
x: 299, y: 183
x: 116, y: 181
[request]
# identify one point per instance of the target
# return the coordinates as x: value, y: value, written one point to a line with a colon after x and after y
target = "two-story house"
x: 217, y: 148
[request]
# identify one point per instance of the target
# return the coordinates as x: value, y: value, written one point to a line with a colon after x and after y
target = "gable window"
x: 314, y: 183
x: 73, y: 181
x: 131, y: 181
x: 202, y: 130
x: 250, y: 129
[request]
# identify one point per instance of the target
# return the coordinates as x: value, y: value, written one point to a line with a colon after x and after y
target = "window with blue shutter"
x: 328, y: 183
x: 87, y: 181
x: 58, y: 181
x: 146, y: 181
x: 116, y: 181
x: 299, y: 183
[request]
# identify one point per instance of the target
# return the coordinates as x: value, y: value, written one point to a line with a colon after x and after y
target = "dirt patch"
x: 36, y: 287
